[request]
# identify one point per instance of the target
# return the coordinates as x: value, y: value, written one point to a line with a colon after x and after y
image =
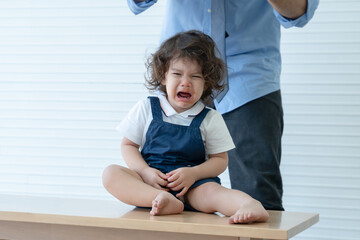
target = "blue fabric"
x: 252, y: 45
x: 169, y: 146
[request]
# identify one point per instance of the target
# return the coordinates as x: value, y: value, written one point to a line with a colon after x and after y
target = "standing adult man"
x: 247, y: 33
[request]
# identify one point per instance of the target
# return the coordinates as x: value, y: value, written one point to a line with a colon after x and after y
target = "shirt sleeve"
x: 300, y: 21
x: 139, y: 7
x: 133, y: 125
x: 216, y: 134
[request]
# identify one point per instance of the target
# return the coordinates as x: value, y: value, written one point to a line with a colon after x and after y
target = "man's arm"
x: 289, y: 8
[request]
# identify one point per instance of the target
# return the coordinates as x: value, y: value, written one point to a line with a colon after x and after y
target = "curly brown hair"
x: 193, y: 45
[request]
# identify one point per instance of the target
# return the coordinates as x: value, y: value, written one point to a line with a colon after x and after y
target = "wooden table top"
x: 114, y: 214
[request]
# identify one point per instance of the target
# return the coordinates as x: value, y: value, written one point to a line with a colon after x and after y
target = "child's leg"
x: 212, y: 197
x: 127, y: 186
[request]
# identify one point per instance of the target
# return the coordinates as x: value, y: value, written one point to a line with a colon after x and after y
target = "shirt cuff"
x: 300, y: 21
x: 139, y: 7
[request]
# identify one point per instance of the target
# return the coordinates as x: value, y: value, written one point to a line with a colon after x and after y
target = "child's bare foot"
x: 165, y: 203
x: 250, y: 212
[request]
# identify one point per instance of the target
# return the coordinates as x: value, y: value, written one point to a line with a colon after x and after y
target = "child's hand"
x: 181, y: 178
x: 154, y: 178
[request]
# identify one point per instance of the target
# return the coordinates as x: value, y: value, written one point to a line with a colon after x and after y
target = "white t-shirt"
x: 215, y: 135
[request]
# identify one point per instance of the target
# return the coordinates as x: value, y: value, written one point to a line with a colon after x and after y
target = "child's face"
x: 184, y: 83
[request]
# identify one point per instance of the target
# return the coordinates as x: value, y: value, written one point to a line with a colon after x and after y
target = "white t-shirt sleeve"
x: 133, y: 125
x: 216, y: 134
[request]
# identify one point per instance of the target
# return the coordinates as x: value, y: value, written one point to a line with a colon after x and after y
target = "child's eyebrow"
x: 175, y: 69
x: 179, y: 70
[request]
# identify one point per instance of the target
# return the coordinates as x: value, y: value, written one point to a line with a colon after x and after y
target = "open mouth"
x: 184, y: 95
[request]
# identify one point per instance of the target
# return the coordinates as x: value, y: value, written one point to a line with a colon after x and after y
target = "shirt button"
x: 209, y: 10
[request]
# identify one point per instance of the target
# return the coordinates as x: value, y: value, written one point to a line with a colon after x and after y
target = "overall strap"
x: 196, y: 122
x: 156, y: 108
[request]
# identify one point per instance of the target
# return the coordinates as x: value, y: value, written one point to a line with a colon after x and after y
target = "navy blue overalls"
x: 169, y: 146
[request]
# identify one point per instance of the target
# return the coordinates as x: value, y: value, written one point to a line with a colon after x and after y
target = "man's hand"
x: 154, y: 178
x: 181, y: 178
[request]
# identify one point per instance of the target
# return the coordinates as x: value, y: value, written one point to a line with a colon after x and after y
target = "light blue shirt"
x: 251, y: 44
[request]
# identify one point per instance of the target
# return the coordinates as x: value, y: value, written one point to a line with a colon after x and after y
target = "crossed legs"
x: 127, y: 186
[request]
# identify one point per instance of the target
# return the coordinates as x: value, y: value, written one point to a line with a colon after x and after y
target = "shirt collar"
x: 170, y: 111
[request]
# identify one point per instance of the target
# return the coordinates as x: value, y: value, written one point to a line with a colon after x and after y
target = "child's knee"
x: 109, y: 174
x: 211, y: 189
x: 207, y: 190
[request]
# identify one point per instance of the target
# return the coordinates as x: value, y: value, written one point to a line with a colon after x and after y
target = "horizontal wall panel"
x: 63, y: 124
x: 73, y: 58
x: 322, y: 46
x: 73, y: 77
x: 73, y: 87
x: 82, y: 48
x: 20, y: 158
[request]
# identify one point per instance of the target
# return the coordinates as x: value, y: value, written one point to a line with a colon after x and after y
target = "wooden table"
x: 30, y: 218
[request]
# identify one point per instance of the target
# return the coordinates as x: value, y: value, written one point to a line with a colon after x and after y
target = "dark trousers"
x: 254, y: 165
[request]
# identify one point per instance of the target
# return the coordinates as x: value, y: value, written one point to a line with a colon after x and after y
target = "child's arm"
x: 183, y: 178
x: 135, y: 162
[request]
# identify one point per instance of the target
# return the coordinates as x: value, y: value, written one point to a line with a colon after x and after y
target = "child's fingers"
x: 172, y: 179
x: 183, y: 191
x: 169, y: 174
x: 160, y: 187
x: 162, y: 175
x: 174, y: 182
x: 162, y: 182
x: 176, y: 187
x: 173, y: 172
x: 172, y: 176
x: 171, y: 185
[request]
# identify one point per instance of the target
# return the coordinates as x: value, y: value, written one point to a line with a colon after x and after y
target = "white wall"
x: 321, y: 144
x: 71, y: 69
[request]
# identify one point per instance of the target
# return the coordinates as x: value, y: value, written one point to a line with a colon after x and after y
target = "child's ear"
x: 163, y: 81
